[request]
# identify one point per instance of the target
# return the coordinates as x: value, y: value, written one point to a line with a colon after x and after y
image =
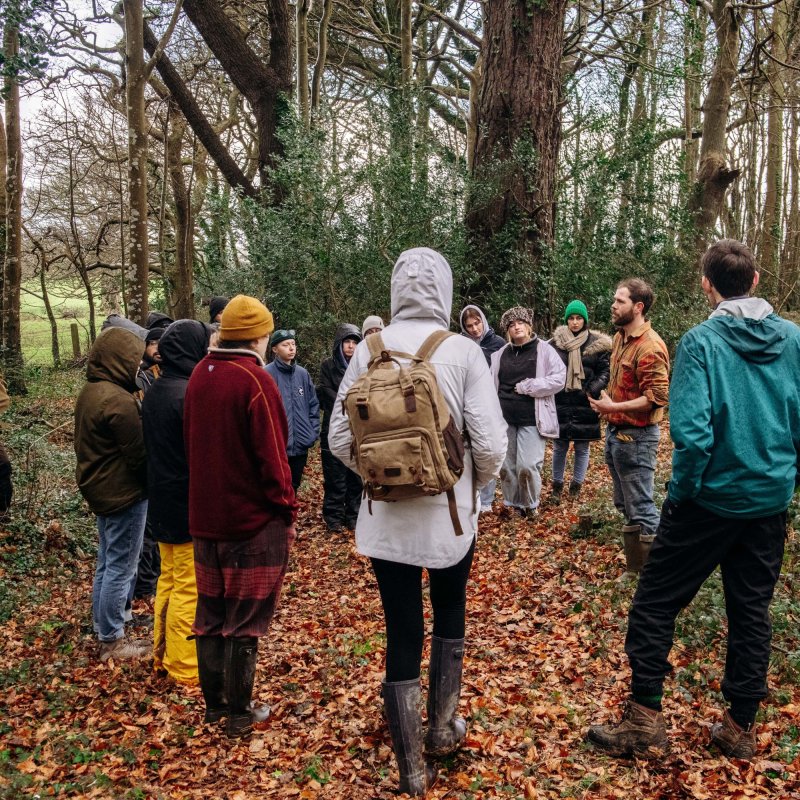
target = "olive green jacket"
x: 109, y: 445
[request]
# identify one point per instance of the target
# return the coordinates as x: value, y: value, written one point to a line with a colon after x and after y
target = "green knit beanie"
x: 576, y: 307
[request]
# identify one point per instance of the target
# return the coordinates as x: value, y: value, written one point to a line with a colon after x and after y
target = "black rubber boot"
x: 401, y: 701
x: 645, y: 545
x: 445, y: 728
x: 633, y: 551
x: 211, y: 669
x: 241, y: 655
x: 574, y: 489
x: 555, y: 493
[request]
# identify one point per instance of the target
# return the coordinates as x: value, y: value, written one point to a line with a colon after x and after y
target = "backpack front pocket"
x: 402, y: 458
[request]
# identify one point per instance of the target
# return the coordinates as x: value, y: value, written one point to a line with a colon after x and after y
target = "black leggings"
x: 400, y: 586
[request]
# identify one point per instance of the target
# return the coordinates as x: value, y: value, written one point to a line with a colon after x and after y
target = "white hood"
x: 422, y: 286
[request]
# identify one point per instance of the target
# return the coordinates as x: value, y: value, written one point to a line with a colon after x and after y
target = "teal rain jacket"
x: 735, y: 412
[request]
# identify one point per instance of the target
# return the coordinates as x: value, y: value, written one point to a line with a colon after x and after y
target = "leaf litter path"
x: 545, y: 627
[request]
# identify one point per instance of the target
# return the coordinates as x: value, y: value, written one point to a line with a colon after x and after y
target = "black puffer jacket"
x: 576, y: 419
x: 183, y: 344
x: 331, y: 373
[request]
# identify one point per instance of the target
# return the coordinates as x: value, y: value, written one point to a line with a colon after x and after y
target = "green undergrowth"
x: 49, y: 528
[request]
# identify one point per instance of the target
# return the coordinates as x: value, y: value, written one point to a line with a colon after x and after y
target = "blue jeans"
x: 631, y: 460
x: 487, y: 495
x: 521, y: 475
x: 560, y: 450
x: 118, y: 551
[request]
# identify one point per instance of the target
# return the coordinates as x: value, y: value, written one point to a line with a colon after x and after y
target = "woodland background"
x: 157, y: 154
x: 154, y: 155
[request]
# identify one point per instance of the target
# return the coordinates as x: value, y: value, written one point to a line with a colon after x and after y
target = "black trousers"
x: 400, y: 586
x: 149, y: 567
x: 691, y: 542
x: 297, y: 464
x: 6, y: 487
x: 343, y: 487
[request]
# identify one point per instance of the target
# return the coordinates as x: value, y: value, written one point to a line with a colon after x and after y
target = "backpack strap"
x: 377, y: 348
x: 428, y: 347
x: 453, y: 506
x: 376, y: 345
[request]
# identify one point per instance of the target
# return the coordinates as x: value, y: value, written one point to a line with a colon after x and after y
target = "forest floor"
x: 545, y: 626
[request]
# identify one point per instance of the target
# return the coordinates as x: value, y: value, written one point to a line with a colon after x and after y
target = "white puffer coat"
x: 419, y: 531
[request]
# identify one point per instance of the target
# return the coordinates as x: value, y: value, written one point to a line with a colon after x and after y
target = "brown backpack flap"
x: 404, y: 440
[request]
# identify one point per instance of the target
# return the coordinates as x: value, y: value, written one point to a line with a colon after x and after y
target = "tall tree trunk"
x: 790, y: 257
x: 77, y: 254
x: 51, y: 318
x: 12, y: 282
x: 3, y: 229
x: 714, y: 175
x: 694, y: 31
x: 322, y: 56
x: 770, y: 239
x: 135, y: 82
x: 516, y: 152
x: 182, y: 278
x: 301, y: 35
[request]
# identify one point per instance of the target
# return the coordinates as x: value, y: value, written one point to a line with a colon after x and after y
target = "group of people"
x: 222, y: 440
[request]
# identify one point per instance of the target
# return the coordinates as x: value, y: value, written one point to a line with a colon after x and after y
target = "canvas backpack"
x: 404, y: 441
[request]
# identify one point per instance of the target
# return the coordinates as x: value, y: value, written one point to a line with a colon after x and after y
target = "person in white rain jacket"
x: 402, y: 538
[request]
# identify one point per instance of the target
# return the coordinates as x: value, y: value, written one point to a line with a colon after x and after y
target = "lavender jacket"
x: 551, y: 375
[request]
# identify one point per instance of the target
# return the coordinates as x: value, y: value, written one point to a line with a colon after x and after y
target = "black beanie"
x: 215, y: 306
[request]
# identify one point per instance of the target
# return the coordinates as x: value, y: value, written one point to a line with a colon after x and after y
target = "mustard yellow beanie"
x: 244, y: 319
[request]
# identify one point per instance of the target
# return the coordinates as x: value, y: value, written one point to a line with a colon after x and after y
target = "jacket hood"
x: 743, y: 307
x: 344, y: 331
x: 759, y: 340
x: 182, y: 345
x: 115, y: 357
x: 475, y: 310
x: 422, y: 286
x: 118, y: 321
x: 155, y: 319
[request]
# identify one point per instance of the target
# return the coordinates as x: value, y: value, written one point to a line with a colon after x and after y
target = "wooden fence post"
x: 76, y: 340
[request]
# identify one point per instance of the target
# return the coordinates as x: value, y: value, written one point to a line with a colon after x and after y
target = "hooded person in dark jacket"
x: 111, y: 473
x: 342, y: 496
x: 475, y: 326
x: 156, y: 319
x: 6, y: 486
x: 182, y: 346
x: 149, y: 567
x: 586, y: 354
x: 299, y: 400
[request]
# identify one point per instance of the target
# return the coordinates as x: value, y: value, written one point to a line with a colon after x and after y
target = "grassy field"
x: 69, y: 304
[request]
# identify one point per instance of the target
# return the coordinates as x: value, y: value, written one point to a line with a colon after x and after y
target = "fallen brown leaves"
x: 545, y: 626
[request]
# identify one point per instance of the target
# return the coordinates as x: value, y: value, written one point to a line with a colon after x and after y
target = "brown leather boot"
x: 733, y: 740
x: 641, y: 731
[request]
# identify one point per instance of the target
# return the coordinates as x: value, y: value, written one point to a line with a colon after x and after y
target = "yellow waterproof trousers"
x: 176, y: 602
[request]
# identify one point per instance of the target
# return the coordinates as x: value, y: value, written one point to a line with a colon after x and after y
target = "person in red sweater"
x: 242, y: 509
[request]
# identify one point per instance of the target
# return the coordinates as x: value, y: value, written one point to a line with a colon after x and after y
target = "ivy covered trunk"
x: 512, y: 204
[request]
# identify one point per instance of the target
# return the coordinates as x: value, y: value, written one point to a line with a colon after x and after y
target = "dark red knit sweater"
x: 235, y: 431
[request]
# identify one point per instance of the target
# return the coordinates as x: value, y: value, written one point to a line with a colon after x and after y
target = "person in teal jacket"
x: 735, y: 424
